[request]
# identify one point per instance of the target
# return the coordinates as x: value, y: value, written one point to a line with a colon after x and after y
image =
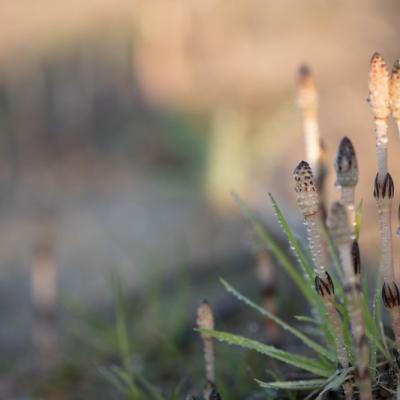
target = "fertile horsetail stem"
x: 379, y: 99
x: 341, y: 232
x: 307, y: 200
x: 205, y: 320
x: 395, y: 93
x: 383, y: 194
x: 346, y: 167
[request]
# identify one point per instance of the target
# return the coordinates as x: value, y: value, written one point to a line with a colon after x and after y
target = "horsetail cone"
x: 307, y: 196
x: 379, y: 97
x: 346, y: 164
x: 205, y: 320
x: 395, y: 93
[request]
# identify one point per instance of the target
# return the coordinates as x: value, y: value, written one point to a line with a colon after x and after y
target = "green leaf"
x: 121, y: 329
x: 276, y: 251
x: 334, y: 384
x: 293, y: 385
x: 307, y: 341
x: 305, y: 363
x: 305, y: 318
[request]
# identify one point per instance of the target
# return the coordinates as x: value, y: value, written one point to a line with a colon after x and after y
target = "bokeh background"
x: 126, y: 125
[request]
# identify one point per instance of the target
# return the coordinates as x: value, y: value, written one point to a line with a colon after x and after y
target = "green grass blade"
x: 305, y: 318
x: 276, y: 251
x: 307, y: 341
x: 121, y: 329
x: 333, y: 384
x: 294, y: 245
x: 293, y: 385
x: 304, y: 363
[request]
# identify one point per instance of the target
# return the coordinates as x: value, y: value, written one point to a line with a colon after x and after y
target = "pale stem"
x: 398, y: 126
x: 312, y: 141
x: 337, y: 327
x: 312, y: 223
x: 347, y: 195
x: 386, y: 261
x: 209, y: 359
x: 357, y: 323
x: 381, y: 146
x: 395, y: 318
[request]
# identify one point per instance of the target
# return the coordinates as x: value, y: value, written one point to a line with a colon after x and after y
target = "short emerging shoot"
x: 205, y: 320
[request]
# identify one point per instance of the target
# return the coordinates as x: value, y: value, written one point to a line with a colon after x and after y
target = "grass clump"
x: 350, y: 355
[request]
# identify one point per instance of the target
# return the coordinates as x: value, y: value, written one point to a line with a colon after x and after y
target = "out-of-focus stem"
x: 379, y: 99
x: 395, y: 93
x: 346, y: 167
x: 205, y: 320
x: 307, y: 100
x: 347, y: 198
x: 386, y: 244
x: 338, y: 224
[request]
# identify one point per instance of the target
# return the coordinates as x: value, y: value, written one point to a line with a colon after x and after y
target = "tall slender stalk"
x: 338, y: 224
x: 383, y: 194
x: 379, y: 99
x: 346, y: 167
x: 308, y: 202
x: 395, y: 93
x: 307, y: 100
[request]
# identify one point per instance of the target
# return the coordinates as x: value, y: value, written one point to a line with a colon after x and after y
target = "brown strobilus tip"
x: 307, y: 196
x: 346, y: 164
x: 307, y: 94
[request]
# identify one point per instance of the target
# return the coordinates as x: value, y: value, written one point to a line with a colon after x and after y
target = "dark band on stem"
x: 390, y: 295
x: 355, y: 255
x: 385, y: 189
x: 324, y: 286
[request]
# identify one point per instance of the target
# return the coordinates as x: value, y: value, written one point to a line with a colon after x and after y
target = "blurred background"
x: 124, y: 128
